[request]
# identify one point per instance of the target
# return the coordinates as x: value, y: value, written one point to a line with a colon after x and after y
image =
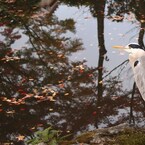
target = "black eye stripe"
x: 136, y: 63
x: 135, y: 46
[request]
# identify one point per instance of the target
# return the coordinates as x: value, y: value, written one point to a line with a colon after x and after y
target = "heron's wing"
x: 139, y: 76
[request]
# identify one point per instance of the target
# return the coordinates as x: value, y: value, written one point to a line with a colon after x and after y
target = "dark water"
x: 58, y: 67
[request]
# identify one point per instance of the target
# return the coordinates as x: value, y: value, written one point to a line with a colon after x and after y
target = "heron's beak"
x: 125, y: 48
x: 119, y: 47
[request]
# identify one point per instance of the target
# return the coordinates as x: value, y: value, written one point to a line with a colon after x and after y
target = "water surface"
x: 58, y: 67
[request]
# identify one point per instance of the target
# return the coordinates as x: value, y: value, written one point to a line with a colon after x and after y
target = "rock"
x: 121, y: 134
x: 101, y: 136
x: 42, y: 143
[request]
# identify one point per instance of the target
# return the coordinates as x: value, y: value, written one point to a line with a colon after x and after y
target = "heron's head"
x: 134, y: 50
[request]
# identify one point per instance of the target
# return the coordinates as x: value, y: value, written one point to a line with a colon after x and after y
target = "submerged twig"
x: 115, y: 69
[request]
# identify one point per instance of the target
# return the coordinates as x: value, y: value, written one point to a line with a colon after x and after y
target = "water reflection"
x: 135, y: 9
x: 39, y: 82
x: 41, y: 86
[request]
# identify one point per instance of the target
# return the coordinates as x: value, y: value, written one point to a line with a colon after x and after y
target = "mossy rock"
x: 83, y: 138
x: 86, y: 137
x: 117, y: 135
x: 130, y: 137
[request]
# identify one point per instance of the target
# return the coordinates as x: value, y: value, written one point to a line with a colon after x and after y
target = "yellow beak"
x: 125, y: 48
x: 119, y: 47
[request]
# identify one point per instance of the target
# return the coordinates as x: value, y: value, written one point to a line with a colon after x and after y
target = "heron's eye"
x: 135, y: 63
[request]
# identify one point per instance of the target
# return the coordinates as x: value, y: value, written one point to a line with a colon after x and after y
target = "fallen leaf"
x: 94, y: 113
x: 39, y: 125
x: 66, y: 94
x: 50, y: 109
x: 10, y: 112
x: 20, y: 137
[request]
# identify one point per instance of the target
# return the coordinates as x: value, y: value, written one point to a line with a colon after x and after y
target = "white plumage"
x: 137, y: 62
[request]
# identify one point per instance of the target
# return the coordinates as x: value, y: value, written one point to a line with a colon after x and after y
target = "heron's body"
x: 137, y: 62
x: 139, y: 73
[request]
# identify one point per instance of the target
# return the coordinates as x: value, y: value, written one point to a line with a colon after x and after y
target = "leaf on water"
x: 81, y: 71
x: 39, y: 97
x: 50, y: 98
x: 80, y: 66
x: 7, y: 58
x: 22, y: 109
x: 69, y: 78
x: 66, y: 94
x: 60, y: 81
x: 94, y: 113
x: 35, y: 91
x: 39, y: 125
x: 142, y: 20
x: 118, y: 18
x: 90, y: 75
x: 88, y: 17
x: 8, y: 100
x: 33, y: 128
x: 50, y: 109
x: 10, y: 112
x: 114, y: 97
x: 20, y: 137
x: 61, y: 85
x: 101, y: 82
x: 31, y: 79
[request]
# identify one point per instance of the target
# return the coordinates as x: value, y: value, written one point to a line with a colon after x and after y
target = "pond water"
x: 58, y: 67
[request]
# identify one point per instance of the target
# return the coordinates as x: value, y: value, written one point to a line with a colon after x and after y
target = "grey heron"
x: 137, y: 62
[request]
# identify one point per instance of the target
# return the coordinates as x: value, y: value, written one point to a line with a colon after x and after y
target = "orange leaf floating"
x: 81, y: 71
x: 32, y: 128
x: 101, y: 82
x: 10, y: 112
x: 20, y: 137
x: 94, y: 113
x: 61, y: 85
x: 39, y: 125
x: 66, y: 94
x: 22, y: 109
